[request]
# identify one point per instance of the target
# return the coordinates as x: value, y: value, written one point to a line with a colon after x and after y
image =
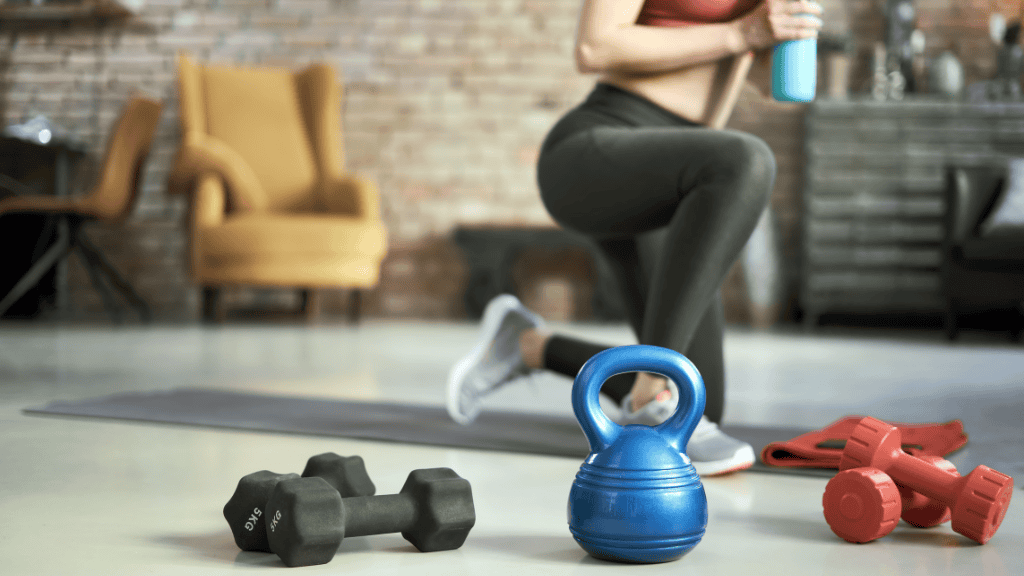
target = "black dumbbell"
x: 244, y: 511
x: 307, y: 520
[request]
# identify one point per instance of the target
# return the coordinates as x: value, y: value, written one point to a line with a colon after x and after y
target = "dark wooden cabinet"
x: 873, y: 198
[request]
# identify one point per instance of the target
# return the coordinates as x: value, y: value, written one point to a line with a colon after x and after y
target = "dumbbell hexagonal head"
x: 346, y: 473
x: 306, y: 523
x: 446, y: 509
x: 244, y: 510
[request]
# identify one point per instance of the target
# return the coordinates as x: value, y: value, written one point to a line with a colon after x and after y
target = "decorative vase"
x: 947, y: 75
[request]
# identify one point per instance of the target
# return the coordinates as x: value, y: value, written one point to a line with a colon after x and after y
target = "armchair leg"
x: 355, y: 305
x: 309, y: 303
x: 212, y: 309
x: 48, y: 260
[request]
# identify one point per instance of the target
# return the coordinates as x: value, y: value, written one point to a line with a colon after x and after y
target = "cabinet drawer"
x: 877, y: 232
x: 874, y: 281
x: 869, y: 256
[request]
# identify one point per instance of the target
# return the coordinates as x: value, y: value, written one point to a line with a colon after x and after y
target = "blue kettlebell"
x: 637, y: 497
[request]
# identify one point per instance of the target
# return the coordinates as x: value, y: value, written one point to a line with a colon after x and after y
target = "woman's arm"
x: 738, y: 70
x: 610, y: 40
x: 761, y: 72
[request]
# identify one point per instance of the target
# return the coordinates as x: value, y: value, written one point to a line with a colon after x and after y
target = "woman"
x: 644, y: 167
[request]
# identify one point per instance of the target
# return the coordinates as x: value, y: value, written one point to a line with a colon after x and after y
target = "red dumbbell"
x: 977, y: 501
x: 920, y: 510
x: 861, y: 504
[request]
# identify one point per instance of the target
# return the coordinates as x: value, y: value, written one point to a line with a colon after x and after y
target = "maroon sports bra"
x: 689, y: 12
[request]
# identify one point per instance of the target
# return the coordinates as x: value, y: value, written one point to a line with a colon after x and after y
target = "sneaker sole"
x: 495, y: 312
x: 741, y: 460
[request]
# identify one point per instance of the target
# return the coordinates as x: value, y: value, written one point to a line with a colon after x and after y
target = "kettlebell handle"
x: 599, y: 429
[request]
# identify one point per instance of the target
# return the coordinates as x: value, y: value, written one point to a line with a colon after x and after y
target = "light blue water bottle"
x: 795, y: 69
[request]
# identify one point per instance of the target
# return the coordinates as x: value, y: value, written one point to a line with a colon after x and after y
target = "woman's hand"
x: 775, y: 21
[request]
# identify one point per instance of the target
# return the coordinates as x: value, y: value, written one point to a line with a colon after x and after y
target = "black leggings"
x: 670, y: 204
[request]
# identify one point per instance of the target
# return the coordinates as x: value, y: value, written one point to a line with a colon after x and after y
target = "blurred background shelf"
x: 55, y: 12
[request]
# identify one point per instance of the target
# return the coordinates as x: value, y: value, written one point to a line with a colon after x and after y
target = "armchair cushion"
x: 1007, y: 215
x: 260, y: 246
x: 251, y: 235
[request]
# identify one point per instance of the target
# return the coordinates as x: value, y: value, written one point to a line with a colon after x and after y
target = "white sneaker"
x: 714, y: 452
x: 494, y: 361
x: 711, y: 451
x: 654, y: 412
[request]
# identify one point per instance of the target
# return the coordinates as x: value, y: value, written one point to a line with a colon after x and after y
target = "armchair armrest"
x: 208, y: 201
x: 970, y: 193
x: 201, y: 153
x: 352, y: 194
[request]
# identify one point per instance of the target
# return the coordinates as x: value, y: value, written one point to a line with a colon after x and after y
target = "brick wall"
x: 445, y: 105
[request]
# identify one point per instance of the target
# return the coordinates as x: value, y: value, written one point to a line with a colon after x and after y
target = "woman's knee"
x: 747, y: 166
x: 750, y: 156
x: 761, y: 159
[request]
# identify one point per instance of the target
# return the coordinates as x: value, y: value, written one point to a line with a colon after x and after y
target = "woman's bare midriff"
x: 695, y: 93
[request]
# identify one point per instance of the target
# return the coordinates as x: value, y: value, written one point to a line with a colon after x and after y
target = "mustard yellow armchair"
x: 271, y: 204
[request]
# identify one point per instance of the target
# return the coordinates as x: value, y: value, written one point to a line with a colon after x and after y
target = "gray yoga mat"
x: 493, y: 430
x: 991, y: 419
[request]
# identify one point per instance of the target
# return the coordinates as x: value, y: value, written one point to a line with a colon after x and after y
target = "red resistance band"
x: 823, y: 448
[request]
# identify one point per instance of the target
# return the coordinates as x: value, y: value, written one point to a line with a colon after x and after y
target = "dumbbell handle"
x: 387, y: 514
x: 925, y: 477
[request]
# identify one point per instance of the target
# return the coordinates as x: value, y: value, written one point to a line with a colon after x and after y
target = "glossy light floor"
x: 82, y: 496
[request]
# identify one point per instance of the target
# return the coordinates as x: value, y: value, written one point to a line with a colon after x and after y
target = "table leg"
x: 60, y: 189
